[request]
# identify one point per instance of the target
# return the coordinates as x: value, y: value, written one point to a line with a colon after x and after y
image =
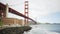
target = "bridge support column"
x: 7, y: 10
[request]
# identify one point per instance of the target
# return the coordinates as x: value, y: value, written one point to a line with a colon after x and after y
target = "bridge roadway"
x: 15, y: 12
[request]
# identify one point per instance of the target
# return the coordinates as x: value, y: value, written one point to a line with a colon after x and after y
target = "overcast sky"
x: 40, y: 10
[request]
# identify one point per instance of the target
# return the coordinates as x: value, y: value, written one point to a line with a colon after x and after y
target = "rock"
x: 15, y: 30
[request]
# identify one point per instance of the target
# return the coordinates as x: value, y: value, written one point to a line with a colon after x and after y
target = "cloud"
x: 44, y: 7
x: 37, y: 8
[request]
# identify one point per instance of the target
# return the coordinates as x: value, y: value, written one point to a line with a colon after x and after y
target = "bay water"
x: 44, y: 29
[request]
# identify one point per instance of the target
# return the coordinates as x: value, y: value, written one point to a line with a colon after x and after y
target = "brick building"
x: 11, y: 21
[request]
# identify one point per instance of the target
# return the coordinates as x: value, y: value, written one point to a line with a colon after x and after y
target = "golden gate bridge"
x: 26, y: 16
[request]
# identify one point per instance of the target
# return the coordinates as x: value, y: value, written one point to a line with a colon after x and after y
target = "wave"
x: 39, y: 30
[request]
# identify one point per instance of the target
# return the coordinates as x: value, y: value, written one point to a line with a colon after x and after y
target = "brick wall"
x: 11, y: 21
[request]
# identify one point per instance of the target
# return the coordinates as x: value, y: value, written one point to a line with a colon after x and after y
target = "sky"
x: 40, y: 10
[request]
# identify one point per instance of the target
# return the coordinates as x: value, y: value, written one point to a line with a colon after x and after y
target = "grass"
x: 1, y: 23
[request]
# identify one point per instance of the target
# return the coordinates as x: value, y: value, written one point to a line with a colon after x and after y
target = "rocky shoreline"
x: 15, y: 30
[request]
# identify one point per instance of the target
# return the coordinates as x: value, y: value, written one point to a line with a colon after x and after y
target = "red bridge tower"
x: 26, y: 12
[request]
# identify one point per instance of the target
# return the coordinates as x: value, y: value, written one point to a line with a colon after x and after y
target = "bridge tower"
x: 26, y: 12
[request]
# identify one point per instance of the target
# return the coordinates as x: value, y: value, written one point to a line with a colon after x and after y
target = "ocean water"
x: 44, y: 29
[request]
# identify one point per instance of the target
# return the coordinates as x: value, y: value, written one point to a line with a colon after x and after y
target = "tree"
x: 1, y: 23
